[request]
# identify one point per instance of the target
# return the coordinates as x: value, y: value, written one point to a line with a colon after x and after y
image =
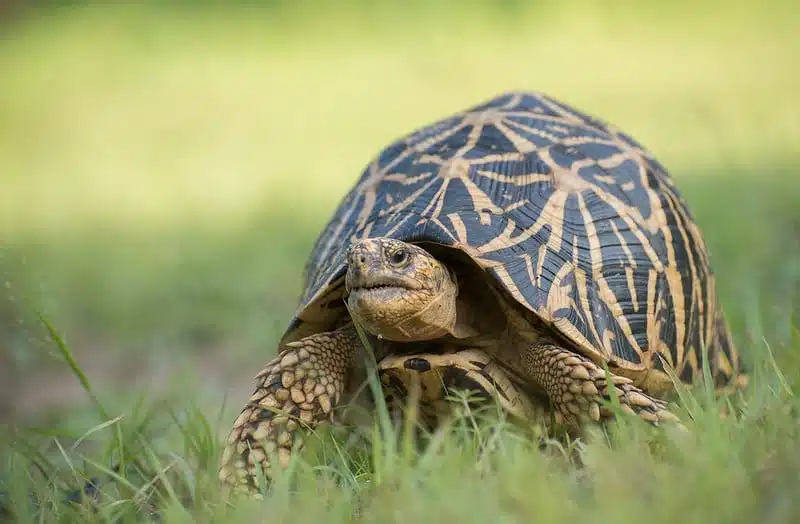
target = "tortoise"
x: 521, y: 233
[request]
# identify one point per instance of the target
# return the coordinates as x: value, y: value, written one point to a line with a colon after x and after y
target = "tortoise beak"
x: 361, y: 256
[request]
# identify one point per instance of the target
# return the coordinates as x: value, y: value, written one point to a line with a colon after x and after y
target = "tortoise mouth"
x: 376, y: 287
x: 377, y: 296
x: 383, y: 283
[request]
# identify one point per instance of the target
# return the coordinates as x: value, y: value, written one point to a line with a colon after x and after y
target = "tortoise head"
x: 400, y: 292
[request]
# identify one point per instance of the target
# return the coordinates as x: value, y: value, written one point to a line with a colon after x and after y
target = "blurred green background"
x: 165, y: 168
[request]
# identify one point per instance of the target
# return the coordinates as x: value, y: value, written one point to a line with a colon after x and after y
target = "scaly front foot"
x: 300, y: 387
x: 579, y: 388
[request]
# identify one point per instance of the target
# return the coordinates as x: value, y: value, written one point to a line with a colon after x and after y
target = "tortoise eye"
x: 398, y: 257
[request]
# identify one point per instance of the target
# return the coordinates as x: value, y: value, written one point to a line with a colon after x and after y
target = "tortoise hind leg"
x: 301, y: 386
x: 578, y: 388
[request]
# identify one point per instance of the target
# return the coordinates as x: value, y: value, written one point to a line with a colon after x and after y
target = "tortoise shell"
x: 437, y: 375
x: 574, y: 219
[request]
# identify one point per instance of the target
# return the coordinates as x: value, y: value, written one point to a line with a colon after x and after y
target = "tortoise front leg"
x: 300, y: 387
x: 578, y: 388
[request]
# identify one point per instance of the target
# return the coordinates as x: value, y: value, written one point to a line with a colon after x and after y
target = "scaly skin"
x: 401, y: 293
x: 299, y: 388
x: 578, y: 388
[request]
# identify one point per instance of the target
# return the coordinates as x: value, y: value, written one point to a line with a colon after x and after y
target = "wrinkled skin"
x: 399, y: 292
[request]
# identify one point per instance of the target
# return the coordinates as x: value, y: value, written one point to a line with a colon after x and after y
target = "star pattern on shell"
x: 576, y: 220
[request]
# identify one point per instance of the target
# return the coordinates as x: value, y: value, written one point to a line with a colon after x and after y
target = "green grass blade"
x: 66, y: 353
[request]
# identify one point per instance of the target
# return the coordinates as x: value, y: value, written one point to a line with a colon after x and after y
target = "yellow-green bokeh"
x: 151, y: 116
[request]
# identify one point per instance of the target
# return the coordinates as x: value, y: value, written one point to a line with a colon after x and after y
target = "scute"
x: 436, y: 376
x: 577, y: 221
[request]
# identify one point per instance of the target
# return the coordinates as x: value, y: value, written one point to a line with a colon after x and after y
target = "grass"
x: 739, y: 469
x: 165, y: 172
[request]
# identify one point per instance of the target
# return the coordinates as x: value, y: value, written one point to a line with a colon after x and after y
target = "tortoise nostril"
x: 362, y: 259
